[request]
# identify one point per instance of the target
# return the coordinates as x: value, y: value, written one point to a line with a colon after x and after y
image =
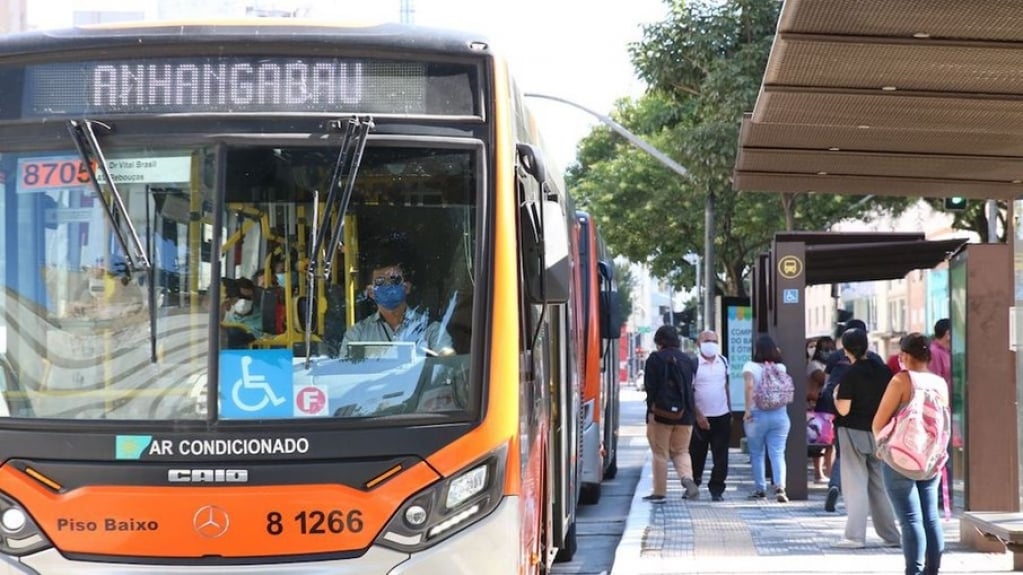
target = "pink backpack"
x: 775, y: 388
x: 915, y: 441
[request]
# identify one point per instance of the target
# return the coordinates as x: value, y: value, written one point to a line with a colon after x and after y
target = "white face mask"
x: 810, y: 351
x: 709, y: 349
x: 243, y: 306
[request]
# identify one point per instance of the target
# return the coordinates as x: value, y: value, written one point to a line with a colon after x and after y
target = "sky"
x: 572, y: 49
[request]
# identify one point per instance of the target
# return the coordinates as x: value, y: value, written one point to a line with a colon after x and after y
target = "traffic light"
x: 665, y: 314
x: 844, y: 315
x: 955, y: 204
x: 683, y: 321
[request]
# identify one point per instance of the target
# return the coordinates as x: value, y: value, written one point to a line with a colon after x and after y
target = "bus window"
x: 130, y: 339
x: 388, y: 321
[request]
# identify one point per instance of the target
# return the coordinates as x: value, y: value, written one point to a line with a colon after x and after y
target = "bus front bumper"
x: 486, y: 547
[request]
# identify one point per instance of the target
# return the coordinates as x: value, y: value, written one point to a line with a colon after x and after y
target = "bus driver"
x: 394, y: 320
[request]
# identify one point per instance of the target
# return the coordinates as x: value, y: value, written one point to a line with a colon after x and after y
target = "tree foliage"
x: 703, y: 66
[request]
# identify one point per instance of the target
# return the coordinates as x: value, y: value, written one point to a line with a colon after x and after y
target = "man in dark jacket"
x: 669, y: 434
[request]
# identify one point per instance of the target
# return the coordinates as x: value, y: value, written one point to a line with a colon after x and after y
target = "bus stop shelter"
x: 800, y: 259
x: 895, y: 97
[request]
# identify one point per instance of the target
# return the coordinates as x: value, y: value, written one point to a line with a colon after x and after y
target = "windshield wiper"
x: 135, y: 255
x: 88, y: 148
x: 339, y: 194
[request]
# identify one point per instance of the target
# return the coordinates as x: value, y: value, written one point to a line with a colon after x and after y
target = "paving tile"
x: 745, y: 536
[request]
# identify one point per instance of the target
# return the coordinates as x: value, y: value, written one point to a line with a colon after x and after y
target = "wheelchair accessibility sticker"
x: 256, y: 384
x: 790, y: 296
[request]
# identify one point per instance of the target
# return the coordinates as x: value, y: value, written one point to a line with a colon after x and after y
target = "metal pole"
x: 621, y: 131
x: 708, y: 253
x: 699, y: 296
x: 708, y: 265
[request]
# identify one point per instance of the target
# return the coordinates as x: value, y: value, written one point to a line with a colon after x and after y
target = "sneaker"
x: 758, y: 494
x: 717, y: 497
x: 848, y: 544
x: 692, y: 490
x: 654, y: 498
x: 780, y: 494
x: 831, y: 500
x: 891, y: 544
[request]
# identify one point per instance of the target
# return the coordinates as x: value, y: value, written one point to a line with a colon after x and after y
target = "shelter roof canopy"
x: 890, y: 97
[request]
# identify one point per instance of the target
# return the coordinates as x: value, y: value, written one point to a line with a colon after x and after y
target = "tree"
x: 703, y: 66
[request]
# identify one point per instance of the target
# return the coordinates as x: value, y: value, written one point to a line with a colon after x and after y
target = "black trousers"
x: 716, y: 439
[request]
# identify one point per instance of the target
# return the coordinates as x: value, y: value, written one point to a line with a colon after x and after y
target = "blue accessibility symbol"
x: 790, y: 296
x: 256, y: 384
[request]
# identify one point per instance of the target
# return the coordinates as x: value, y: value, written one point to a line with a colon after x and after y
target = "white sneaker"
x: 848, y: 544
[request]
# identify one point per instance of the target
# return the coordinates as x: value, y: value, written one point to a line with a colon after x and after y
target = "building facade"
x: 13, y: 16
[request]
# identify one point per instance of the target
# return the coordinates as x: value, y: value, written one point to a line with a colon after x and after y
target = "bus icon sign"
x: 790, y: 267
x: 311, y: 400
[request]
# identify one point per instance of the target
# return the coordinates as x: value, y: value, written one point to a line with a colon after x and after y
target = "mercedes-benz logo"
x: 211, y: 521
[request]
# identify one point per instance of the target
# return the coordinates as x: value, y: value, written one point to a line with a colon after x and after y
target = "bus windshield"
x: 230, y: 298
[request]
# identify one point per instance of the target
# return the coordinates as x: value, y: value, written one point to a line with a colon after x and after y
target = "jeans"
x: 916, y: 506
x: 716, y: 439
x: 767, y: 431
x: 835, y: 479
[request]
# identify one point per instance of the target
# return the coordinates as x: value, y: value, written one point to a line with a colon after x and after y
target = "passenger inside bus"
x: 242, y: 319
x: 389, y: 284
x: 270, y: 297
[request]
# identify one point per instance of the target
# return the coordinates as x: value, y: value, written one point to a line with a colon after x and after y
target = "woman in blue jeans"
x: 766, y: 429
x: 915, y: 502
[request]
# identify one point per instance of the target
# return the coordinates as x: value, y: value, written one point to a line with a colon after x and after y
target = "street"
x: 600, y: 526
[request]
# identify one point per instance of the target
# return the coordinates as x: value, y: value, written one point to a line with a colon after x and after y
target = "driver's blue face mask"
x: 389, y: 296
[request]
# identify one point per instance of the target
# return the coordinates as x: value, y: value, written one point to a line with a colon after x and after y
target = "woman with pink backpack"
x: 912, y: 426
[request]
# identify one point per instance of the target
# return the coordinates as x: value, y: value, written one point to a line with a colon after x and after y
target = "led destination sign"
x: 247, y: 85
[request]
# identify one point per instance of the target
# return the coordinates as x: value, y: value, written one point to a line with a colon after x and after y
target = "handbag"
x: 820, y: 429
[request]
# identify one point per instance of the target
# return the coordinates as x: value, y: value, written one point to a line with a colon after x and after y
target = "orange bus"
x: 281, y: 297
x: 601, y: 325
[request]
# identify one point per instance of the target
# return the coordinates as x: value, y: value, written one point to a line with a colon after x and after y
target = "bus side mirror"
x: 609, y: 312
x: 546, y: 267
x: 531, y: 160
x: 558, y: 267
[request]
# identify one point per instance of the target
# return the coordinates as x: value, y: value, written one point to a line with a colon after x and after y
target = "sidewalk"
x: 739, y: 535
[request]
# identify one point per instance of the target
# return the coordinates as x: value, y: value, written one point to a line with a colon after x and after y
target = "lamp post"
x: 708, y: 240
x: 694, y: 260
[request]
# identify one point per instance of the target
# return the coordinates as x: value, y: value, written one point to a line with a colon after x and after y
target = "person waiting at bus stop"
x: 669, y: 438
x: 856, y: 400
x: 394, y: 320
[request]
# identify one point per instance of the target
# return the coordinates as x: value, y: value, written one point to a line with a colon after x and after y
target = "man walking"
x: 713, y: 428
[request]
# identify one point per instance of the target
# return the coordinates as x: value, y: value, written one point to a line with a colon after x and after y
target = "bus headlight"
x: 466, y: 485
x: 19, y: 534
x: 448, y: 506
